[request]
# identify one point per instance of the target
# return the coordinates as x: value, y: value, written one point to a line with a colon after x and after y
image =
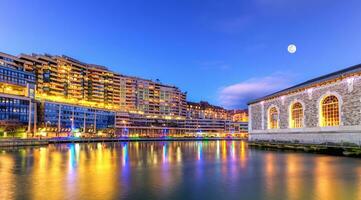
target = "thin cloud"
x: 237, y: 95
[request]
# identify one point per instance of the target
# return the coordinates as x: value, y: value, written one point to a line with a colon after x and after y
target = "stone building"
x: 324, y: 109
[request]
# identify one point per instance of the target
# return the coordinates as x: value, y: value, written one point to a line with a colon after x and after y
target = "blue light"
x: 124, y: 154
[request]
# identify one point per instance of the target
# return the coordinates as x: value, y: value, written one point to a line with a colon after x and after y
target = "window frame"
x: 269, y: 117
x: 322, y: 121
x: 291, y: 120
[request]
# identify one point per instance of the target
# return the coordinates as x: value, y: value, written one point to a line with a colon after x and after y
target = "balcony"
x: 13, y: 89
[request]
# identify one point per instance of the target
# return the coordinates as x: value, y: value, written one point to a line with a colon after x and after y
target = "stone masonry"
x: 347, y: 90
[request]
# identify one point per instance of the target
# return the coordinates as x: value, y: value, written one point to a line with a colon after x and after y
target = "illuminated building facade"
x: 64, y: 79
x: 152, y: 98
x: 17, y: 88
x: 324, y: 109
x: 68, y: 95
x: 204, y: 110
x: 59, y: 119
x: 60, y: 96
x: 202, y: 119
x: 239, y: 115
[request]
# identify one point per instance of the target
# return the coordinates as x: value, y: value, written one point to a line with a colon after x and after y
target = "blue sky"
x: 225, y: 52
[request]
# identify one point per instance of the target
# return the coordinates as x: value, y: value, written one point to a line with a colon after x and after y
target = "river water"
x: 174, y: 170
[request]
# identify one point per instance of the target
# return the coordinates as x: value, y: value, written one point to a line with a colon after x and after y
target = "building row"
x: 59, y: 95
x: 326, y: 109
x: 202, y: 119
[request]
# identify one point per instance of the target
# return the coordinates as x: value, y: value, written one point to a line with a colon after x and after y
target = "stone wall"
x: 348, y: 92
x: 309, y: 138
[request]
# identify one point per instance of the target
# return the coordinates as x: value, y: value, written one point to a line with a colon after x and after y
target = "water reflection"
x: 174, y: 170
x: 7, y: 179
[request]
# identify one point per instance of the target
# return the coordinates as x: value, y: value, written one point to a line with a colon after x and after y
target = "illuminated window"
x: 296, y: 115
x: 273, y: 118
x: 330, y: 114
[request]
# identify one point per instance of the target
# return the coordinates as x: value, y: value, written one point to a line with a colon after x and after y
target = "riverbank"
x: 345, y: 149
x: 46, y: 141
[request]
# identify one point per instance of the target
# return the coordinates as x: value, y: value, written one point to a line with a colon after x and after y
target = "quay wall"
x: 315, y: 135
x: 309, y: 138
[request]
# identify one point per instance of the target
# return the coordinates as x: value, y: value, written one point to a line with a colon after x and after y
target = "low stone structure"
x: 321, y: 110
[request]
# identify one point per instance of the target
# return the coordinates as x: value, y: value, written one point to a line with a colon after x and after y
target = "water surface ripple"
x: 174, y: 170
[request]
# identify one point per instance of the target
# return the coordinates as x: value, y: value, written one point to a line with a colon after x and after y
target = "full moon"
x: 292, y: 48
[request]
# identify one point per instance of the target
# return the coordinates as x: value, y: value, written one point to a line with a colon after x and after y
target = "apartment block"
x: 68, y: 94
x: 17, y: 92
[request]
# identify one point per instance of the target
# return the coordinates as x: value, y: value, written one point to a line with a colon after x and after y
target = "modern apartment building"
x: 54, y: 95
x: 64, y: 79
x: 69, y: 96
x: 17, y: 92
x: 152, y: 98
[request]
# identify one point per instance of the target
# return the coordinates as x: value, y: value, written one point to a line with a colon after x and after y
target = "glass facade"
x: 16, y: 92
x: 16, y: 77
x: 16, y: 110
x: 74, y: 117
x: 17, y: 89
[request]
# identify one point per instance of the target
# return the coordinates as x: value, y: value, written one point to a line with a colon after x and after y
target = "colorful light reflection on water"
x: 174, y: 170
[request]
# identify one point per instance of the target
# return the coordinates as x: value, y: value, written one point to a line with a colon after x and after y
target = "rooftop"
x: 310, y: 83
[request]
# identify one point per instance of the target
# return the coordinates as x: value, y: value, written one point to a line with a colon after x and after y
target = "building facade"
x: 321, y: 110
x: 60, y: 119
x: 51, y: 95
x: 17, y: 92
x: 204, y: 117
x: 152, y: 98
x: 64, y: 95
x: 65, y: 79
x: 202, y: 120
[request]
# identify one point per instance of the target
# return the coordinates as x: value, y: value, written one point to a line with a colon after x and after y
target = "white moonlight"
x: 292, y: 48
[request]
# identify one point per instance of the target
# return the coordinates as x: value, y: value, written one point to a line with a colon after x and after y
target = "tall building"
x: 70, y: 96
x: 17, y: 91
x: 53, y: 95
x: 152, y: 98
x: 64, y: 79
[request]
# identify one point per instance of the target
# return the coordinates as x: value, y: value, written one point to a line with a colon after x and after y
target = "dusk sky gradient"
x: 225, y: 52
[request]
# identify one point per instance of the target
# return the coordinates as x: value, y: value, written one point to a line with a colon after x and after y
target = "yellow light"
x: 43, y: 133
x: 43, y: 96
x: 77, y: 134
x: 23, y: 135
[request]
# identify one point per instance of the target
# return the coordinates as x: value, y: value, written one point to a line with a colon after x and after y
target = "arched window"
x: 296, y: 115
x: 273, y: 118
x: 330, y: 114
